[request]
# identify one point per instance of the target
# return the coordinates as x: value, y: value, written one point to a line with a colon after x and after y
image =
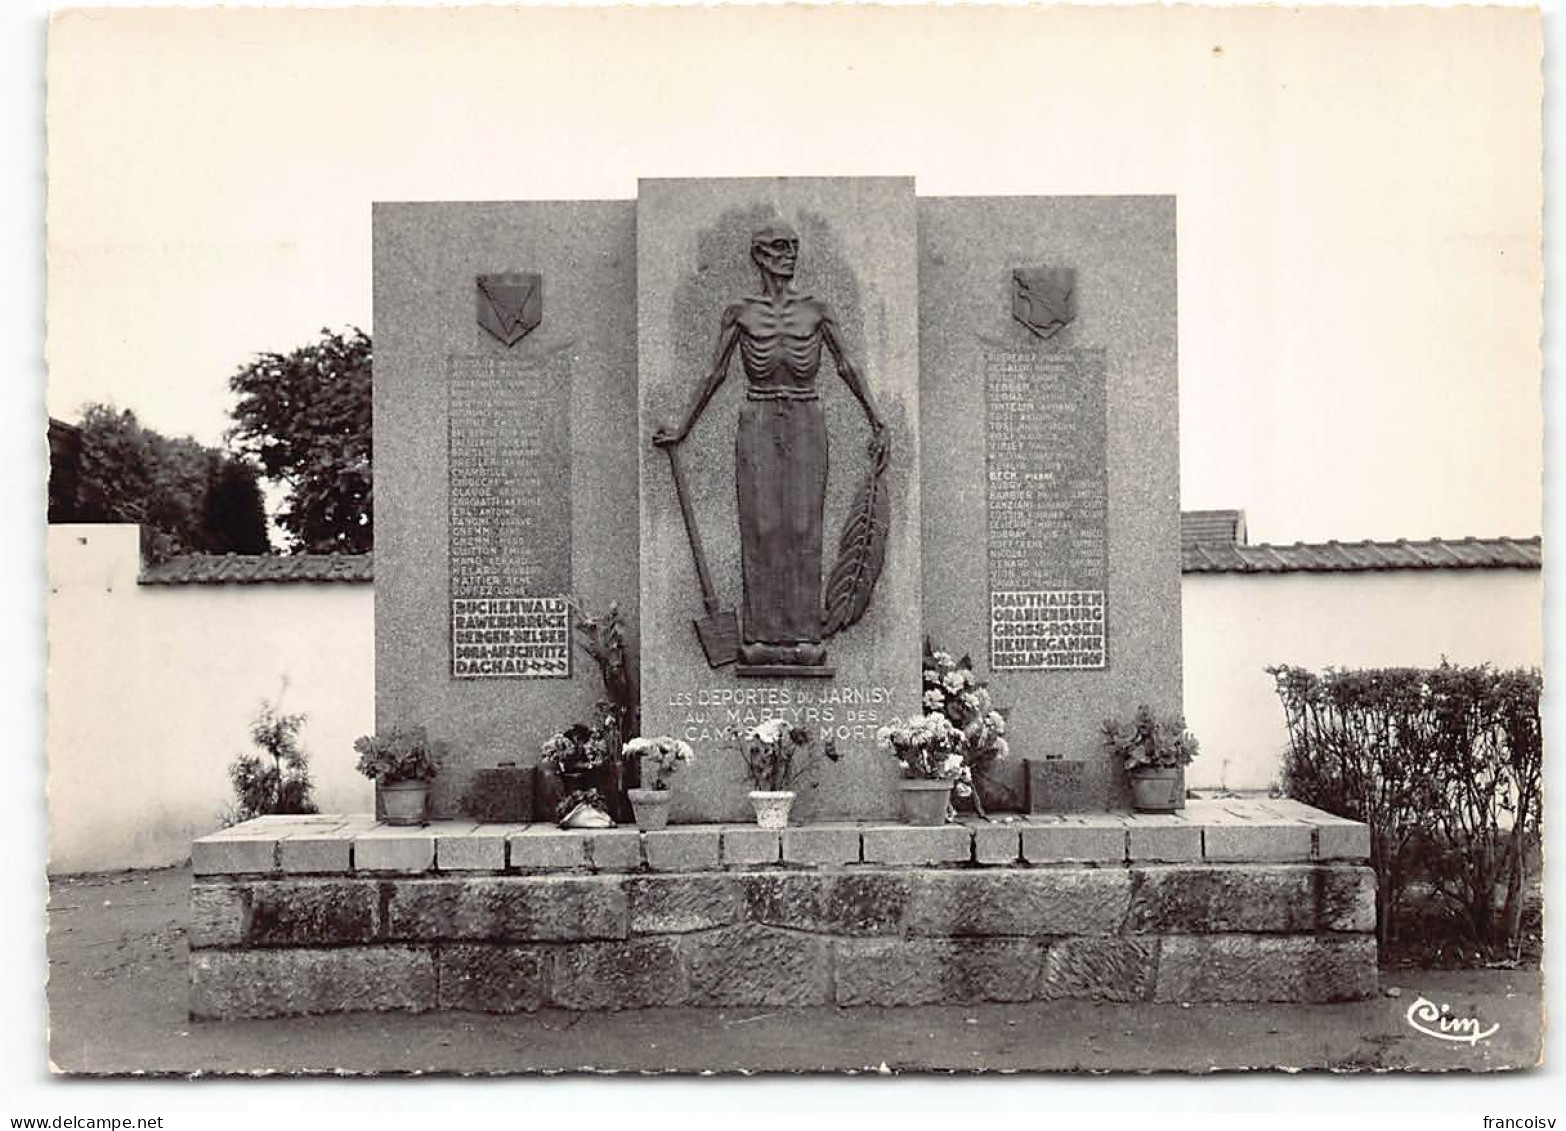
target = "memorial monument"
x: 555, y: 431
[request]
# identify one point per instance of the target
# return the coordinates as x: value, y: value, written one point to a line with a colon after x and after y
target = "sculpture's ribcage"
x: 781, y: 357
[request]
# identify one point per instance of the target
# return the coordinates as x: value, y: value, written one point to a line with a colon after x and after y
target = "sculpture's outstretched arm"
x: 846, y: 370
x: 728, y: 338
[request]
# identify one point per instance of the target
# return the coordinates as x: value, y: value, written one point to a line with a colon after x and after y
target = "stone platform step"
x: 1241, y: 830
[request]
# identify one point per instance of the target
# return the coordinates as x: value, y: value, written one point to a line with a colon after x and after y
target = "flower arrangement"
x: 402, y: 754
x: 1150, y: 742
x: 579, y: 750
x: 960, y: 732
x: 778, y: 754
x: 660, y: 757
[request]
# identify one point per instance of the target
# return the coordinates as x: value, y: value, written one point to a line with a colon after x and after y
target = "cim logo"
x: 1424, y: 1017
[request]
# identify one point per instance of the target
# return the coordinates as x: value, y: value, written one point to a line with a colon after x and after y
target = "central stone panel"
x: 778, y: 368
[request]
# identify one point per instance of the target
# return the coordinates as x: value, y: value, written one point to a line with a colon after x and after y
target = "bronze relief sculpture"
x: 780, y: 460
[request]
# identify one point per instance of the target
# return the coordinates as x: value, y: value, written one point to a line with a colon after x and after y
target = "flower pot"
x: 1156, y: 790
x: 772, y: 807
x: 651, y: 807
x: 925, y: 800
x: 404, y: 801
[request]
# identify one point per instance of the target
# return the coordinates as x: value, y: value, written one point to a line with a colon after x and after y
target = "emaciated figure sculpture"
x: 780, y: 457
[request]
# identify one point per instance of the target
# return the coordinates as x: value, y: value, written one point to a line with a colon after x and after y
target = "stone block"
x: 1299, y: 968
x: 675, y: 904
x: 312, y: 912
x: 633, y: 974
x: 578, y: 366
x: 997, y: 844
x: 747, y: 845
x: 1263, y: 898
x: 493, y: 979
x: 756, y: 966
x: 1103, y: 969
x: 970, y: 339
x: 930, y: 971
x: 1074, y: 839
x: 1256, y: 841
x: 1167, y: 840
x: 914, y: 845
x: 507, y: 909
x: 232, y: 855
x: 1024, y: 902
x: 682, y: 850
x: 1342, y: 840
x: 614, y: 850
x: 540, y: 848
x: 388, y: 849
x: 838, y: 903
x: 217, y: 915
x: 859, y: 256
x: 821, y: 845
x: 233, y: 984
x: 481, y: 848
x: 320, y: 846
x: 321, y: 853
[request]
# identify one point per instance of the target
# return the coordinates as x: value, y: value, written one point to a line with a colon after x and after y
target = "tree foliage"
x: 305, y: 418
x: 193, y: 499
x: 277, y: 780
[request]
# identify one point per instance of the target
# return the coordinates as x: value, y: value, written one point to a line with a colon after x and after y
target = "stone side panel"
x: 1275, y: 898
x: 1078, y: 901
x: 780, y: 937
x: 487, y: 978
x: 1302, y: 968
x: 227, y: 984
x: 218, y: 913
x: 676, y: 904
x: 931, y: 971
x: 758, y: 966
x: 507, y: 909
x: 837, y: 903
x: 633, y: 974
x: 1103, y: 969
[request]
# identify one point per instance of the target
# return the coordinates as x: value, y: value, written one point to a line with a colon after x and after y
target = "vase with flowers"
x: 778, y: 756
x: 659, y: 758
x: 959, y: 734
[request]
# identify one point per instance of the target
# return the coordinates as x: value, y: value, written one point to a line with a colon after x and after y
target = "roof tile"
x: 1335, y: 557
x: 257, y: 569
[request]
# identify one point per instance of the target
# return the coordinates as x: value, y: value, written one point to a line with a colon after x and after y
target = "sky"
x: 1359, y: 198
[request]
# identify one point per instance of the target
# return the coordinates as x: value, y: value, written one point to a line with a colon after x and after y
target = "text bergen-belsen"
x: 520, y: 636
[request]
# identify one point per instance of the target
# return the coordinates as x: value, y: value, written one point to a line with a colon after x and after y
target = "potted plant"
x: 402, y: 763
x: 928, y: 749
x: 953, y: 690
x: 940, y: 750
x: 659, y: 758
x: 1154, y: 750
x: 578, y: 756
x: 777, y: 755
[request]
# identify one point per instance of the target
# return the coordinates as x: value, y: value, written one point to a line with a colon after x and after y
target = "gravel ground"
x: 117, y: 991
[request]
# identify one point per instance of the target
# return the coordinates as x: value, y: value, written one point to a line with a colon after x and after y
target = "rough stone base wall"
x: 855, y: 935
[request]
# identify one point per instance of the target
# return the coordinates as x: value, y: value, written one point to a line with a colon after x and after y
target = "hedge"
x: 1444, y: 765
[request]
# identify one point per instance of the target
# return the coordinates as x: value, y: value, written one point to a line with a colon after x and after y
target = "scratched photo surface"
x: 950, y: 540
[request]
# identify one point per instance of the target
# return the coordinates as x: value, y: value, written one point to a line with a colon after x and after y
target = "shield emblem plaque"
x: 510, y: 304
x: 1044, y: 299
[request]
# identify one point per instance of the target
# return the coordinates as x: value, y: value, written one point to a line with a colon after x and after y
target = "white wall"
x: 152, y: 689
x: 1236, y: 625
